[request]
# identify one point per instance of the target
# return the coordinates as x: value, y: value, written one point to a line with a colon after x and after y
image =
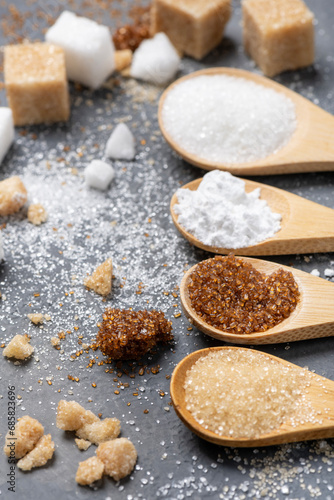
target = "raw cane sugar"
x: 119, y: 457
x: 13, y: 195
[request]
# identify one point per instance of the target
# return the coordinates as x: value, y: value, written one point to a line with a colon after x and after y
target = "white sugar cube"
x: 121, y: 143
x: 99, y: 174
x: 6, y: 131
x: 156, y: 60
x: 89, y: 50
x: 2, y: 255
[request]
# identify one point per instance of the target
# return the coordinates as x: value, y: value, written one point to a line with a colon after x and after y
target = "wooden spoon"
x: 320, y: 394
x: 312, y: 318
x: 298, y: 234
x: 310, y: 149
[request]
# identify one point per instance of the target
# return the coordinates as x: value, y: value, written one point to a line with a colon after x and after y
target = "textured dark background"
x: 131, y: 223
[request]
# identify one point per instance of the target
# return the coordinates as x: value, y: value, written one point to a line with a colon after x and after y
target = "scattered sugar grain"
x: 6, y: 131
x: 99, y: 174
x: 39, y: 455
x: 226, y: 119
x: 121, y: 143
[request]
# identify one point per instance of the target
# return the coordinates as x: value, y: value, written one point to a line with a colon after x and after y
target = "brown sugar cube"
x: 100, y: 280
x: 193, y: 26
x: 123, y: 59
x: 101, y: 431
x: 89, y: 470
x: 119, y: 457
x: 18, y: 348
x: 37, y: 214
x: 39, y: 455
x: 71, y: 416
x: 36, y: 83
x: 27, y: 433
x: 13, y: 195
x: 278, y: 34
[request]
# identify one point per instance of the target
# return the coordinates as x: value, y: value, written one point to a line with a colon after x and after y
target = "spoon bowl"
x: 320, y: 394
x: 310, y: 149
x: 313, y: 316
x: 298, y: 233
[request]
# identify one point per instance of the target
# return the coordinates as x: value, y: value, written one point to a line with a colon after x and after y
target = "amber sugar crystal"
x: 127, y: 334
x: 231, y: 295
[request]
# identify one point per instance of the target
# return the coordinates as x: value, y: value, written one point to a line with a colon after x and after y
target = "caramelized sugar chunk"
x: 127, y: 334
x: 18, y: 348
x: 101, y: 431
x: 37, y: 214
x: 27, y: 433
x: 89, y: 470
x: 39, y: 455
x: 13, y: 195
x: 101, y: 279
x: 71, y: 416
x: 119, y: 457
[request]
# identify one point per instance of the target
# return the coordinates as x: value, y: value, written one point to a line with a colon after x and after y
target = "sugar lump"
x: 156, y: 60
x: 101, y: 431
x: 71, y: 416
x: 18, y: 348
x: 98, y: 174
x: 121, y: 143
x: 101, y: 279
x: 27, y: 433
x: 89, y: 471
x: 13, y: 195
x: 89, y: 50
x: 6, y: 131
x: 119, y: 457
x: 39, y: 455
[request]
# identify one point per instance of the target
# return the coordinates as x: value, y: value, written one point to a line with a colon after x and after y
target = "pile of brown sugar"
x: 231, y: 295
x: 127, y: 334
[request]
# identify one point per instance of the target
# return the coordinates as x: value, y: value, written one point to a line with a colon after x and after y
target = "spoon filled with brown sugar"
x: 309, y: 148
x: 239, y: 397
x: 250, y: 301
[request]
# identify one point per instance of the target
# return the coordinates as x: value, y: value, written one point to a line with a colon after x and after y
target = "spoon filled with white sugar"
x: 234, y: 120
x: 239, y: 397
x: 221, y: 213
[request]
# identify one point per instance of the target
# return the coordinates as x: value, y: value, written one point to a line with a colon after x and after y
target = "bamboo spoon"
x: 310, y: 149
x: 312, y: 318
x: 298, y: 233
x: 320, y: 394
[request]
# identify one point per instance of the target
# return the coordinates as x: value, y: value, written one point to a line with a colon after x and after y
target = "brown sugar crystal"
x: 13, y: 195
x: 119, y: 457
x: 101, y: 279
x: 193, y: 26
x: 231, y: 295
x: 89, y: 471
x: 27, y: 433
x: 39, y: 455
x: 127, y: 334
x: 278, y: 34
x: 130, y: 36
x: 36, y: 83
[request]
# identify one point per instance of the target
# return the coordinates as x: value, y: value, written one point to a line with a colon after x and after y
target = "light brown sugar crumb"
x: 101, y: 279
x: 37, y: 214
x: 242, y: 393
x: 55, y: 341
x: 89, y: 471
x: 13, y: 195
x: 27, y: 433
x: 82, y: 444
x: 119, y: 457
x: 101, y: 431
x: 36, y: 318
x: 123, y: 59
x: 71, y: 416
x: 18, y: 348
x: 39, y: 455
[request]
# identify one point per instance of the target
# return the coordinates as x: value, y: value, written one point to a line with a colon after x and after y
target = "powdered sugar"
x: 221, y: 214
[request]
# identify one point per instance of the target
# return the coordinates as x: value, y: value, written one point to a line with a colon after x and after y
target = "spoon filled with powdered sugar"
x: 221, y: 213
x: 234, y: 120
x: 251, y: 301
x: 239, y: 397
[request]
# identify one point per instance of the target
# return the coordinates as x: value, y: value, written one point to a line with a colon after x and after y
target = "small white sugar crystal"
x: 99, y: 174
x: 329, y: 273
x: 89, y: 51
x: 315, y: 272
x: 2, y: 255
x: 6, y: 131
x: 156, y: 60
x: 121, y: 143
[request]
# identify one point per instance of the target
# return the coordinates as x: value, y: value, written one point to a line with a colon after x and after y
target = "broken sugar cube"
x: 89, y: 471
x: 119, y: 457
x: 39, y: 455
x: 278, y: 34
x: 156, y: 60
x: 36, y: 83
x: 101, y: 279
x: 27, y: 433
x: 89, y: 50
x: 6, y: 131
x: 71, y: 416
x: 193, y: 26
x: 99, y: 174
x: 13, y: 195
x: 121, y: 143
x: 18, y: 348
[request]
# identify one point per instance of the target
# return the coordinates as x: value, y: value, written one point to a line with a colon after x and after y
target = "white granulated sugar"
x: 156, y: 60
x: 2, y: 255
x: 6, y: 131
x: 221, y: 214
x: 227, y: 119
x: 98, y: 174
x: 121, y: 143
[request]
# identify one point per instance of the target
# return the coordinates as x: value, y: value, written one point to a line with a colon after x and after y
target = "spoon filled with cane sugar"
x: 221, y: 213
x: 250, y: 301
x: 238, y: 397
x: 231, y: 119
